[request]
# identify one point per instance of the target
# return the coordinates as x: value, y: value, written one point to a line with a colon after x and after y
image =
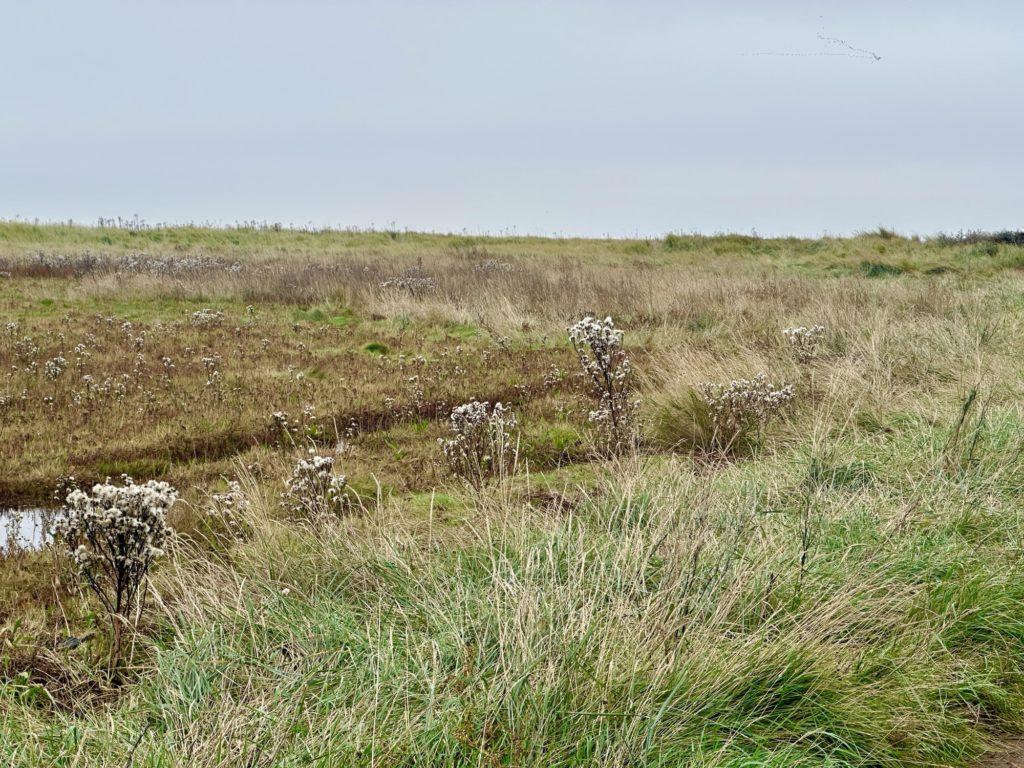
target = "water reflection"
x: 26, y: 528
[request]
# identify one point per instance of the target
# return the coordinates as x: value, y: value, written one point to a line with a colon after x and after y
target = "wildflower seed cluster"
x: 481, y: 445
x: 113, y: 533
x: 314, y: 490
x: 230, y: 508
x: 599, y: 348
x: 804, y: 342
x: 743, y: 402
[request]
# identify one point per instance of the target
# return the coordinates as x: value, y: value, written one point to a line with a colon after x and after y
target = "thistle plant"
x: 55, y: 368
x: 214, y: 380
x: 25, y: 352
x: 6, y: 406
x: 113, y: 534
x: 492, y: 266
x: 207, y: 318
x: 415, y: 282
x: 228, y: 508
x: 553, y: 377
x: 285, y: 429
x: 598, y: 345
x: 314, y: 491
x: 804, y: 342
x: 282, y: 427
x: 481, y: 446
x: 743, y: 406
x: 16, y: 542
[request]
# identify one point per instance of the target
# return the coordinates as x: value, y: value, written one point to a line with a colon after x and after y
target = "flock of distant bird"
x: 849, y: 51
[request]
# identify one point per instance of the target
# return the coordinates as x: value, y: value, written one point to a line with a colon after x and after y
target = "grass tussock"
x: 663, y: 621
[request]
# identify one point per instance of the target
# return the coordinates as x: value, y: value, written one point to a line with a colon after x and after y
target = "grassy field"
x: 840, y: 587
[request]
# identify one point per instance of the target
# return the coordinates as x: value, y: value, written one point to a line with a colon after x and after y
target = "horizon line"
x: 138, y: 224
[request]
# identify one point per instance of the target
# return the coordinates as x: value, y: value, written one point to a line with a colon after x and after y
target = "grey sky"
x: 535, y: 117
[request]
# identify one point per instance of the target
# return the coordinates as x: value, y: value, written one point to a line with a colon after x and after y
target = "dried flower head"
x: 744, y: 404
x: 598, y: 345
x: 314, y: 491
x: 113, y: 534
x: 804, y: 342
x: 481, y: 446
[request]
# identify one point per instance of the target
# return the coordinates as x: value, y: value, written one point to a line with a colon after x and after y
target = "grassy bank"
x: 844, y: 591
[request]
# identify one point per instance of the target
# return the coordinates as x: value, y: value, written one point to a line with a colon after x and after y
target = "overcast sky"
x: 550, y: 117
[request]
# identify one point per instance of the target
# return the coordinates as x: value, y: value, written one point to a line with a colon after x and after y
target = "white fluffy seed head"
x: 803, y: 341
x: 745, y: 401
x: 314, y: 490
x: 111, y: 524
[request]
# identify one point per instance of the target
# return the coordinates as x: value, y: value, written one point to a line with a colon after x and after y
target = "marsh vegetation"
x: 431, y: 508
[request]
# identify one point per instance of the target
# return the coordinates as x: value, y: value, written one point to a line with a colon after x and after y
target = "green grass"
x: 327, y: 315
x: 625, y: 631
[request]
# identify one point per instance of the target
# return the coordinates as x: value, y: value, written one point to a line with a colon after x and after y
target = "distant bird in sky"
x: 857, y: 53
x: 850, y: 52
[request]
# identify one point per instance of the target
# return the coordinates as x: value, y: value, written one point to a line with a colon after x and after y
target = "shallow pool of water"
x: 26, y: 528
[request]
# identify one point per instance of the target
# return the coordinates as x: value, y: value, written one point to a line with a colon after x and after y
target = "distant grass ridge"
x: 262, y: 241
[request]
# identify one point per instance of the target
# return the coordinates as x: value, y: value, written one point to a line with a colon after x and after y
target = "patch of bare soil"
x: 1011, y: 757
